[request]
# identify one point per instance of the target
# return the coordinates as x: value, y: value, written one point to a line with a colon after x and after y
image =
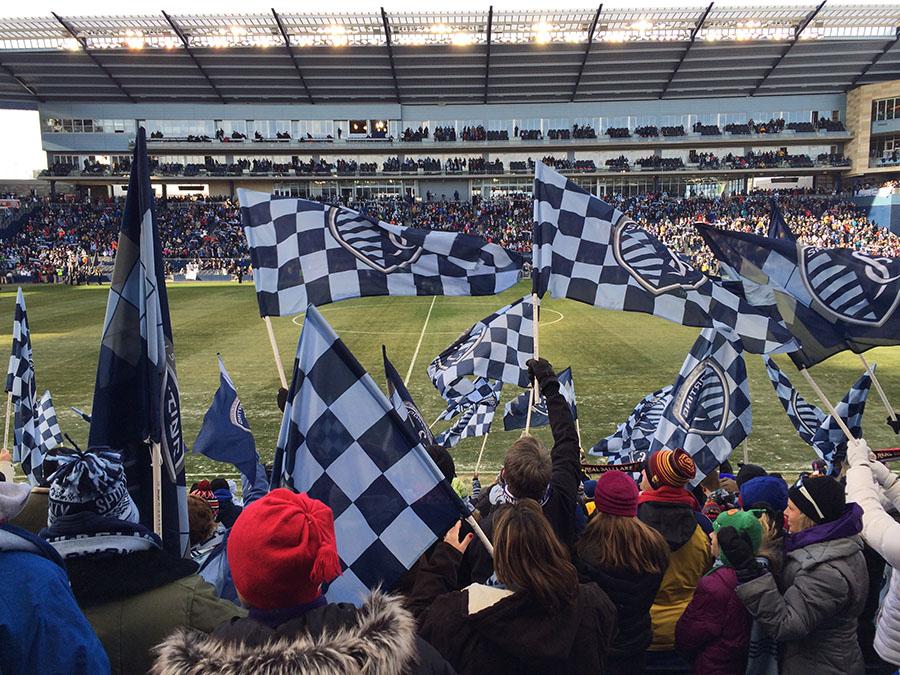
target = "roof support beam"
x: 287, y: 45
x: 875, y: 61
x: 83, y: 43
x: 487, y: 63
x: 9, y: 71
x: 190, y: 53
x: 587, y: 51
x: 390, y: 51
x: 797, y: 32
x: 684, y: 54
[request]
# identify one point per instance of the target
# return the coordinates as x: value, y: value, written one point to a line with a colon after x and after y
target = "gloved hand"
x: 858, y: 452
x: 542, y: 371
x: 282, y: 398
x: 738, y: 548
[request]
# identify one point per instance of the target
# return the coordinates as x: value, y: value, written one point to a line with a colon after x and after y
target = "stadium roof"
x: 604, y: 53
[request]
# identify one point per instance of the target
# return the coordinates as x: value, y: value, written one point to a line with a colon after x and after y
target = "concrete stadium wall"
x: 884, y: 211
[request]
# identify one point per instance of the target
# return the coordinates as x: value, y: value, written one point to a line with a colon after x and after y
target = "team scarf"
x: 500, y: 494
x: 85, y: 534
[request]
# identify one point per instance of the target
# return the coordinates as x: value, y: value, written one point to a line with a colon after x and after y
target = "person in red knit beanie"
x: 282, y: 551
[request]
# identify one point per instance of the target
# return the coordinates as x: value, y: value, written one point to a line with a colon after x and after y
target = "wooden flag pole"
x: 481, y: 453
x: 828, y: 406
x: 278, y: 364
x: 578, y: 431
x: 884, y: 398
x: 535, y: 389
x: 156, y: 468
x: 470, y: 519
x: 746, y: 452
x: 436, y: 420
x: 8, y: 414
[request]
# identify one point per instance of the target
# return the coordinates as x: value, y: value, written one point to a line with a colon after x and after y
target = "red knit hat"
x: 204, y: 491
x: 616, y: 494
x: 282, y: 549
x: 674, y: 468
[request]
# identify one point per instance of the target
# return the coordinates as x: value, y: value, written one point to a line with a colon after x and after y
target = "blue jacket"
x: 41, y: 627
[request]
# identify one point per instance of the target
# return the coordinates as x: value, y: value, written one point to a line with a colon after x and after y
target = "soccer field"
x: 616, y: 359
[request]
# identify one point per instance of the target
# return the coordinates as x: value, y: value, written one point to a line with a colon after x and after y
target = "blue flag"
x: 22, y: 386
x: 342, y: 442
x: 778, y: 228
x: 515, y: 414
x: 475, y: 419
x: 136, y: 398
x: 225, y: 435
x: 403, y: 403
x: 631, y: 440
x: 829, y: 442
x: 805, y: 417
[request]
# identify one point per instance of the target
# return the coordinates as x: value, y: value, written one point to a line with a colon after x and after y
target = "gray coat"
x: 814, y: 621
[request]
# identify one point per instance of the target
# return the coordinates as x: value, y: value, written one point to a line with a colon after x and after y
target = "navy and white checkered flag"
x: 831, y: 299
x: 403, y: 402
x: 586, y: 250
x: 497, y: 348
x: 631, y: 440
x: 475, y: 420
x: 48, y: 432
x: 709, y: 414
x: 20, y: 382
x: 343, y: 443
x: 464, y: 393
x: 515, y: 413
x: 829, y: 442
x: 805, y: 417
x: 305, y: 252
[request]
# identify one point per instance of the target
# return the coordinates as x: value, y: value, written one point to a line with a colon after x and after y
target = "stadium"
x: 440, y: 120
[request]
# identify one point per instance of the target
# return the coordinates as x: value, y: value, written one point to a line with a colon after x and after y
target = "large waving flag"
x: 225, y: 435
x: 20, y: 382
x: 829, y: 442
x: 403, y: 402
x: 475, y: 419
x: 805, y: 417
x: 464, y: 393
x: 831, y: 299
x: 586, y: 250
x: 709, y: 414
x: 497, y: 348
x: 630, y: 442
x: 515, y: 414
x: 306, y: 252
x: 778, y: 227
x: 343, y: 443
x: 136, y: 398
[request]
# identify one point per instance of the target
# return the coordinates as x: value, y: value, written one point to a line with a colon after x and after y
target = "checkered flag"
x: 497, y: 348
x: 805, y: 417
x: 586, y: 250
x: 463, y: 394
x: 515, y: 413
x: 343, y: 443
x: 403, y: 402
x: 48, y: 432
x: 475, y: 420
x: 306, y: 252
x: 631, y: 440
x: 20, y: 382
x: 829, y: 442
x: 709, y: 414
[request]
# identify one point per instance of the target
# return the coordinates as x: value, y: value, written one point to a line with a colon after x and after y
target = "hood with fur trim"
x: 377, y: 639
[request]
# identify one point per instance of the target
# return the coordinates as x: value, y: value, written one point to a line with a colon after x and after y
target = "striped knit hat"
x: 205, y: 491
x: 674, y: 468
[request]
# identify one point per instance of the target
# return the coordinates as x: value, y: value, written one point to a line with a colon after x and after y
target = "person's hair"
x: 444, y: 460
x: 802, y: 522
x: 201, y: 521
x: 527, y: 468
x: 624, y: 543
x: 769, y: 547
x: 218, y: 483
x: 529, y: 557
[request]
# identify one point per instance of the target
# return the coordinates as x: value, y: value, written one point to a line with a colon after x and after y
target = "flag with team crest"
x: 630, y: 442
x: 497, y: 348
x: 515, y: 413
x: 21, y: 384
x: 829, y: 441
x: 587, y: 250
x: 805, y: 417
x: 831, y: 299
x: 464, y: 393
x: 475, y: 419
x: 709, y: 414
x: 403, y: 402
x: 305, y: 252
x: 49, y: 435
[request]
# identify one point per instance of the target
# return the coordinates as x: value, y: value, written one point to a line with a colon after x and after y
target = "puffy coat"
x: 339, y: 639
x: 826, y: 583
x: 41, y: 628
x: 484, y: 629
x: 714, y: 631
x: 882, y: 533
x: 689, y: 560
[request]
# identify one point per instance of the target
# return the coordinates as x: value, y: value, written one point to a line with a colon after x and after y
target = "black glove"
x: 894, y: 424
x: 282, y: 398
x: 542, y: 371
x: 738, y: 548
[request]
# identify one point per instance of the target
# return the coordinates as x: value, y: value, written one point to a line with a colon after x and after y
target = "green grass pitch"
x: 616, y: 359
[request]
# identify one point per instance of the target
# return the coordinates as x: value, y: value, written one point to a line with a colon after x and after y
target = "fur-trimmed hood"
x: 377, y: 639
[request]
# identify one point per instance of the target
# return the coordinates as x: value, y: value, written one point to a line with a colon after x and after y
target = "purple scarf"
x: 848, y: 524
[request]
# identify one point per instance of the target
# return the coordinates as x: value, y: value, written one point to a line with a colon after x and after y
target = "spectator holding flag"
x: 132, y: 591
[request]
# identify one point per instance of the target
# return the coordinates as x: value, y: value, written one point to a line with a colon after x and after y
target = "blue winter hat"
x: 90, y: 482
x: 769, y: 491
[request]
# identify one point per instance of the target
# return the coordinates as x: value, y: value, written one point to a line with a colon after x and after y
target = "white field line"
x: 419, y: 345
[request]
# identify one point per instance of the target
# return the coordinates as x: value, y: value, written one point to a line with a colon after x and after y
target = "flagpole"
x: 470, y: 519
x: 8, y: 414
x: 578, y: 431
x: 535, y: 389
x: 828, y: 406
x: 746, y: 452
x: 481, y: 454
x: 436, y: 420
x: 278, y: 364
x: 884, y: 398
x: 156, y: 468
